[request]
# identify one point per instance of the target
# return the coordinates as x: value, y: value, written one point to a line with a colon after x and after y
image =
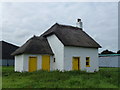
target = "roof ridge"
x: 50, y: 30
x: 8, y: 43
x: 59, y: 29
x: 30, y: 40
x: 70, y: 26
x: 56, y: 26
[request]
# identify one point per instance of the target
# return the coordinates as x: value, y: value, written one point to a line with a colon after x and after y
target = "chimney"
x: 79, y: 23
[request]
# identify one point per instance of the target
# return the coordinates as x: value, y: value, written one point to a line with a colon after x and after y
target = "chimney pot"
x: 78, y: 20
x: 79, y: 23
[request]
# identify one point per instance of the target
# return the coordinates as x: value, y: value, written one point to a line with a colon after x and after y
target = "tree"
x: 118, y: 52
x: 107, y: 52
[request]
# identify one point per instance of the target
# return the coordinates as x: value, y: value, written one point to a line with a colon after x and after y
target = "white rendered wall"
x: 58, y: 50
x: 18, y: 63
x: 26, y: 61
x: 23, y: 64
x: 71, y: 52
x: 52, y: 64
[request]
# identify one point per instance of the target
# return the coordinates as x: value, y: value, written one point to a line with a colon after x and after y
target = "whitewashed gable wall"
x: 58, y: 50
x: 19, y: 63
x: 71, y: 52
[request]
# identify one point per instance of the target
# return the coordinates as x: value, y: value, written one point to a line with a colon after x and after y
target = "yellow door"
x: 46, y: 62
x: 32, y: 64
x: 75, y: 63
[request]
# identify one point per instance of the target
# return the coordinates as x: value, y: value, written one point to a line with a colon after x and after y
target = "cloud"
x: 21, y: 20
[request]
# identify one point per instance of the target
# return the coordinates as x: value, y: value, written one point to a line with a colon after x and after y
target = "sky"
x: 22, y: 20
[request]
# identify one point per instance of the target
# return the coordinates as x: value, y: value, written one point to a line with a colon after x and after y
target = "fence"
x: 109, y: 61
x: 6, y: 62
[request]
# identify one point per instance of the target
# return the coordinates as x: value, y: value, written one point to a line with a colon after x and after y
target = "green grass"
x: 105, y: 78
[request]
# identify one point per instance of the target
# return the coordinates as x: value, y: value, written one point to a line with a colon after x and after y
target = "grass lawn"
x: 105, y: 78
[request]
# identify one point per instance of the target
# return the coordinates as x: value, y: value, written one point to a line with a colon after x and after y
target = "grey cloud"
x: 27, y: 19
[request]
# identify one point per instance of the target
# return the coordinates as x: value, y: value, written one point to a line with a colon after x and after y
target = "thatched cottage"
x: 61, y: 47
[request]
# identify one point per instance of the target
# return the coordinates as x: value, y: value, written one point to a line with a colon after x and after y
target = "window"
x: 54, y: 60
x: 87, y: 61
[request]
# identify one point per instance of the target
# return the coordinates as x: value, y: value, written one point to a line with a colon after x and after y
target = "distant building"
x: 109, y: 60
x: 6, y: 59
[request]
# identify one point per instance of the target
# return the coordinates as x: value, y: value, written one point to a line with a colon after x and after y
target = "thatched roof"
x: 35, y: 45
x: 68, y: 35
x: 71, y: 36
x: 6, y: 49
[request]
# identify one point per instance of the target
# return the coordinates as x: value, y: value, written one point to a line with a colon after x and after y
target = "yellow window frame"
x: 88, y: 61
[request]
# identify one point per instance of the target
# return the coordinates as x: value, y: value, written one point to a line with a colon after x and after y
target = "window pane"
x: 54, y: 60
x: 87, y: 63
x: 87, y: 58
